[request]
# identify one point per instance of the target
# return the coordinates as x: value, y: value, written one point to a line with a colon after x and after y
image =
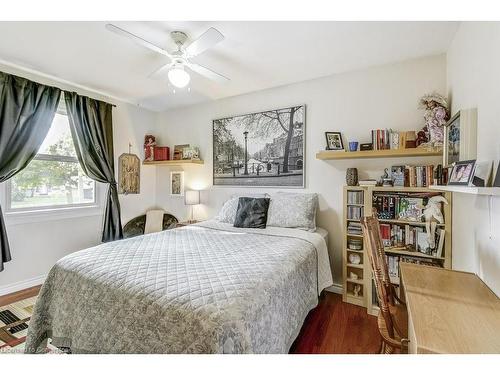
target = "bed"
x: 204, y: 288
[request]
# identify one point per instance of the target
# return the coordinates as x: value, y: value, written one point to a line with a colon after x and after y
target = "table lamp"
x: 191, y: 198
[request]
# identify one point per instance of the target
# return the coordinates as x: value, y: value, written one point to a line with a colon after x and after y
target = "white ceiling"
x: 254, y: 55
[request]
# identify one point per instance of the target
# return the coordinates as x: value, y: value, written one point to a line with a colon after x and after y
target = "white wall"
x: 473, y: 66
x: 36, y: 245
x: 353, y: 103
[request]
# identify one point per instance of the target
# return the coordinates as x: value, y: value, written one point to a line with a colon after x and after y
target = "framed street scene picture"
x: 260, y: 149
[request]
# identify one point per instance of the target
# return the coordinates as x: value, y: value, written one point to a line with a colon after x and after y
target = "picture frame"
x: 451, y: 143
x: 460, y: 137
x: 260, y: 149
x: 177, y: 183
x: 334, y: 141
x: 179, y: 151
x: 129, y: 173
x: 482, y: 173
x: 462, y: 173
x: 398, y: 175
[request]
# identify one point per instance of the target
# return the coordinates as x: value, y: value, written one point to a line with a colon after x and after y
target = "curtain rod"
x: 66, y: 82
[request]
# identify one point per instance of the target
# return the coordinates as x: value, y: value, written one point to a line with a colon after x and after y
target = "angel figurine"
x: 436, y: 115
x: 433, y: 215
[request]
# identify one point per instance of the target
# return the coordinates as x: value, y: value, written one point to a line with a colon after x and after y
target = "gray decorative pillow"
x: 228, y: 210
x: 293, y: 210
x: 251, y: 213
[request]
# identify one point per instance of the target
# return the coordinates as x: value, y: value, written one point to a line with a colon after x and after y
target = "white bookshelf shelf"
x: 468, y: 189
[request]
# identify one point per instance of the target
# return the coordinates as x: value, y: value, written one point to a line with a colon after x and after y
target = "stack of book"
x: 399, y: 206
x: 354, y: 212
x: 419, y: 176
x: 355, y: 197
x: 368, y: 182
x: 388, y: 139
x: 354, y: 228
x: 411, y: 237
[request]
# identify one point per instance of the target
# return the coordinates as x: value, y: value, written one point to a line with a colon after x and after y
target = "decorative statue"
x: 436, y: 115
x: 433, y: 215
x: 149, y: 147
x: 385, y: 180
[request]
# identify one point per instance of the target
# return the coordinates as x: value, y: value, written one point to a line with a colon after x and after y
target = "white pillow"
x: 227, y: 213
x: 293, y: 210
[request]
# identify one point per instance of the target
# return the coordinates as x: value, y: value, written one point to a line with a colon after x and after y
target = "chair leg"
x: 382, y: 347
x: 388, y: 349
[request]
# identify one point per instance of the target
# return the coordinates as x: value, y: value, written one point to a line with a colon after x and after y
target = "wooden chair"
x: 393, y: 317
x: 135, y: 227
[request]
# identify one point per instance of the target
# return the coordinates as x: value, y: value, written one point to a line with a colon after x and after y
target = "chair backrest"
x: 375, y: 251
x: 135, y: 227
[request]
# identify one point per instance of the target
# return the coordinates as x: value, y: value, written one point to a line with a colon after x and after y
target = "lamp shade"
x: 192, y: 197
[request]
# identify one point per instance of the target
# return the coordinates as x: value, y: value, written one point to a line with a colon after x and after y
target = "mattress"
x: 206, y: 288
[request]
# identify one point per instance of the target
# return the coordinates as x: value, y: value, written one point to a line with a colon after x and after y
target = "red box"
x: 162, y: 153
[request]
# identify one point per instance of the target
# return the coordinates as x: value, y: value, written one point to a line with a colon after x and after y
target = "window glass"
x: 54, y: 177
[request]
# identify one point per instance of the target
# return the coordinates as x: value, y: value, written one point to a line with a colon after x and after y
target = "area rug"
x: 14, y: 322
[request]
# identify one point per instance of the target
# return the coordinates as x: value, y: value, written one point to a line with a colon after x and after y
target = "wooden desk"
x: 449, y: 311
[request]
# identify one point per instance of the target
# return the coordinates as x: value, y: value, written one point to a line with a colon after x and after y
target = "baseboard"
x: 335, y: 288
x: 20, y: 285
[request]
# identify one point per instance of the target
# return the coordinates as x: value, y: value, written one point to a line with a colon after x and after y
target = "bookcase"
x: 400, y: 231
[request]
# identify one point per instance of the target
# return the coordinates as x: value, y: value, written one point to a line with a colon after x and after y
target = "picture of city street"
x: 260, y: 149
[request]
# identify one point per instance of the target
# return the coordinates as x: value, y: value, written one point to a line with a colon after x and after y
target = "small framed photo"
x: 334, y: 141
x: 462, y: 172
x: 177, y: 183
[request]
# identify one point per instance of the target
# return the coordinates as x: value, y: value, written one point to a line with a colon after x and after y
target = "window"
x: 54, y: 178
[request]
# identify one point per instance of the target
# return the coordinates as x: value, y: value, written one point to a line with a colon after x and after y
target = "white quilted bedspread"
x: 209, y: 288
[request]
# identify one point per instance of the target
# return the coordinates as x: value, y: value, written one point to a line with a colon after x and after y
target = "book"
x: 422, y: 242
x: 367, y: 182
x: 387, y: 139
x: 418, y: 176
x: 439, y: 250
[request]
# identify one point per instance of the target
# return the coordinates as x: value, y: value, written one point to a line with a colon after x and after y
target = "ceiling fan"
x: 181, y: 58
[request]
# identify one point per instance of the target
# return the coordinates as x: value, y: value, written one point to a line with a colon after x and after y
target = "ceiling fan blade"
x: 208, y: 39
x: 138, y: 40
x: 205, y: 72
x: 161, y: 72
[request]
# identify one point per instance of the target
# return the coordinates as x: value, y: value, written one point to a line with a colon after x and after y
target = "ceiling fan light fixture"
x: 179, y: 77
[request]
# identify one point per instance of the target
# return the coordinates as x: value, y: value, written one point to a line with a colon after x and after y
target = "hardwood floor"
x: 339, y: 328
x: 333, y: 327
x: 17, y: 296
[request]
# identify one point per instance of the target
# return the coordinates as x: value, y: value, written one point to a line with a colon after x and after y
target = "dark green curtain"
x: 26, y: 112
x: 92, y: 130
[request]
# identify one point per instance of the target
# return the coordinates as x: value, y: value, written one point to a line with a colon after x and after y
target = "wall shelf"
x: 174, y: 163
x: 468, y: 189
x: 372, y: 154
